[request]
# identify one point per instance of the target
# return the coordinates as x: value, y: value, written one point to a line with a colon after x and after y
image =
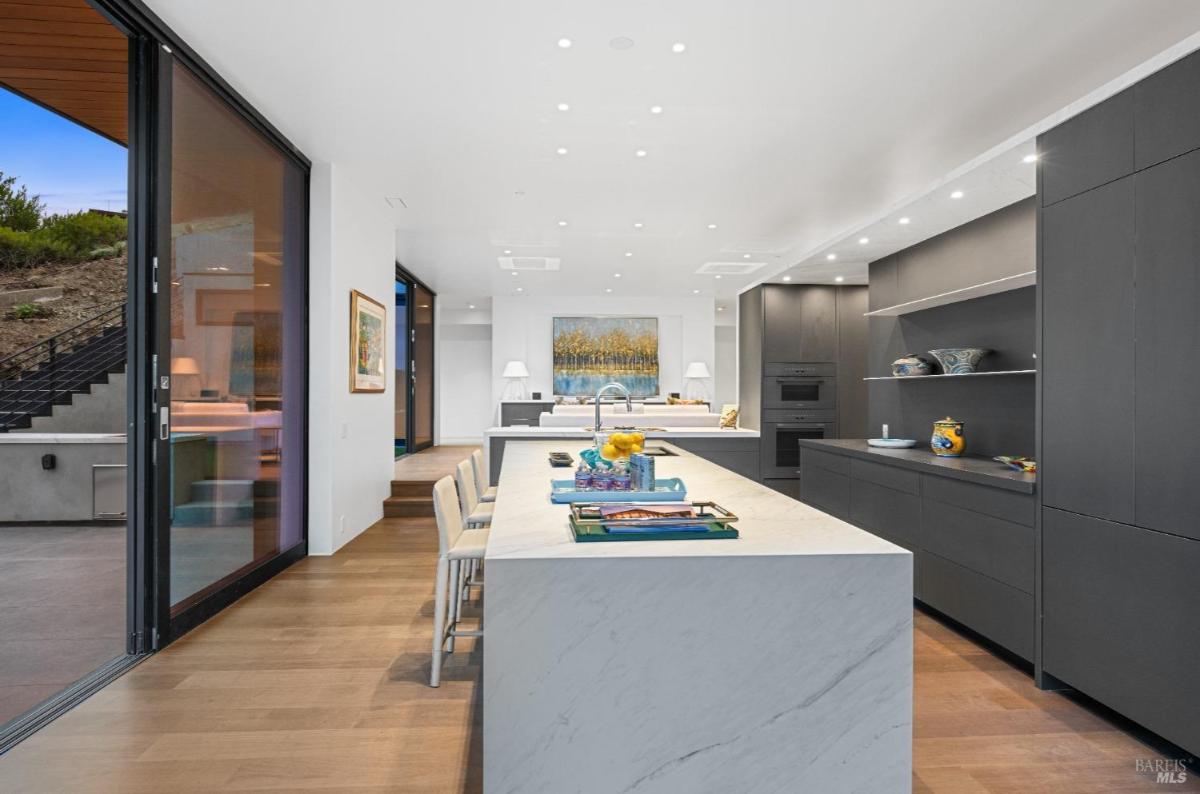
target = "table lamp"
x: 696, y: 372
x: 515, y: 371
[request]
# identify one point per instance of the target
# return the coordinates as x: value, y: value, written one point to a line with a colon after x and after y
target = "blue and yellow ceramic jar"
x: 948, y: 441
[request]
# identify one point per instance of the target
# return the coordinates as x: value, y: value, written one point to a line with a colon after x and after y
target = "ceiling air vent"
x: 529, y: 263
x: 729, y: 268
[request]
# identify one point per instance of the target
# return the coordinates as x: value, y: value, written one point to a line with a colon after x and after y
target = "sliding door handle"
x: 164, y: 423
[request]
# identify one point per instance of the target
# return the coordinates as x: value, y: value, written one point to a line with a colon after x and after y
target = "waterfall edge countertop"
x: 971, y: 468
x: 520, y: 431
x: 780, y: 660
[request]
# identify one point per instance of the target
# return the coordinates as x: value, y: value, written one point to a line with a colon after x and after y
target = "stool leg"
x: 439, y: 618
x: 455, y: 602
x: 458, y: 593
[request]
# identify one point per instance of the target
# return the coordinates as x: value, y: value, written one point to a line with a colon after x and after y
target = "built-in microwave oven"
x: 800, y: 387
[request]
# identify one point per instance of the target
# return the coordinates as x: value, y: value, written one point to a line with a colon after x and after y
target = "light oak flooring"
x: 431, y: 464
x: 317, y: 680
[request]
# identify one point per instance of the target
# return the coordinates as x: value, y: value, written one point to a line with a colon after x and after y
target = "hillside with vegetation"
x: 81, y: 253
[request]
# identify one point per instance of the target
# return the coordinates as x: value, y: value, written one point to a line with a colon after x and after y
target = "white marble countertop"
x: 518, y: 431
x: 527, y: 525
x: 18, y: 437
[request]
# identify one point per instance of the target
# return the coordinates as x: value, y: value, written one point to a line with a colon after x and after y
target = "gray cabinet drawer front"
x: 999, y: 549
x: 1119, y: 620
x: 523, y: 414
x: 782, y: 416
x: 739, y: 455
x: 786, y: 487
x: 1019, y: 508
x: 887, y: 476
x: 825, y: 490
x: 802, y: 369
x: 1001, y: 613
x: 886, y: 512
x: 825, y: 460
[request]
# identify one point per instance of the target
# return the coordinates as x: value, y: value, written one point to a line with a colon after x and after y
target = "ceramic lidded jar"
x: 911, y: 365
x: 948, y: 440
x: 959, y: 360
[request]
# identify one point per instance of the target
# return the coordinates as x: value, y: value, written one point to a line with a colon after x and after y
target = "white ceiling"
x: 793, y: 126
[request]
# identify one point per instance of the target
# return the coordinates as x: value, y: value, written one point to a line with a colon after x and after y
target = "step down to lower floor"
x: 408, y: 506
x: 413, y: 488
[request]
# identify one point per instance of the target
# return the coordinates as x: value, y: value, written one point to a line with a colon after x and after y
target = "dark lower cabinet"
x: 739, y: 455
x: 1120, y: 607
x: 972, y: 545
x: 787, y: 487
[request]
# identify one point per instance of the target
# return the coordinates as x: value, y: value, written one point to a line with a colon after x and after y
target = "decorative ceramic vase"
x: 959, y: 360
x: 911, y: 365
x: 947, y: 441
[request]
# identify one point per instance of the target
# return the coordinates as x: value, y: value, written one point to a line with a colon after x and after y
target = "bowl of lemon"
x: 620, y: 445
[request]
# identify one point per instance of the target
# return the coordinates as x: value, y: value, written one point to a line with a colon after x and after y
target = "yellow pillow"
x: 729, y: 415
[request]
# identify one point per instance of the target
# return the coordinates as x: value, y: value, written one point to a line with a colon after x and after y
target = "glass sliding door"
x: 232, y: 335
x: 421, y: 366
x: 402, y: 381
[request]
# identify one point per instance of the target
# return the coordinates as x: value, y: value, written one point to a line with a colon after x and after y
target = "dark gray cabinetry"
x: 884, y: 278
x: 1087, y: 356
x: 525, y: 414
x: 852, y: 362
x: 1167, y: 295
x: 1119, y: 610
x: 973, y: 545
x: 800, y: 323
x: 1167, y: 113
x: 739, y: 455
x: 1091, y: 149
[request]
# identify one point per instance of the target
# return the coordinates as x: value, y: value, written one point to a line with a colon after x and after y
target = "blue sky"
x: 71, y: 167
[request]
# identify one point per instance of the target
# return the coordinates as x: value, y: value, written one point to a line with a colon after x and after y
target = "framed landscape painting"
x: 592, y: 351
x: 368, y: 323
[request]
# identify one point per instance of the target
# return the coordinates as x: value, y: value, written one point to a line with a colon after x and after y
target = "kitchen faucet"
x: 606, y: 387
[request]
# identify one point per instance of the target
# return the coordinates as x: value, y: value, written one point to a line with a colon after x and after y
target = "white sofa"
x: 643, y: 415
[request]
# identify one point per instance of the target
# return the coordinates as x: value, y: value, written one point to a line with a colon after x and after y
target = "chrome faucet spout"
x: 614, y: 386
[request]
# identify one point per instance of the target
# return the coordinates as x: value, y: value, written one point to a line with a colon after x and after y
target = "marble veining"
x: 780, y: 661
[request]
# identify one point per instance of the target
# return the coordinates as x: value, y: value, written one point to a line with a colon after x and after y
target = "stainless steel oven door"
x: 800, y: 393
x: 781, y: 445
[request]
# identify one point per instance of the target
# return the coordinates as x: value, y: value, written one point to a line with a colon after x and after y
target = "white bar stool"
x: 456, y: 546
x: 475, y: 514
x: 486, y: 493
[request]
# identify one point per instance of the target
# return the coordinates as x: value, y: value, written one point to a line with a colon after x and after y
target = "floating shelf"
x: 963, y: 375
x: 954, y: 296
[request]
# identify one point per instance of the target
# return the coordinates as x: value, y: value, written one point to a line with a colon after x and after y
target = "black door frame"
x: 410, y: 388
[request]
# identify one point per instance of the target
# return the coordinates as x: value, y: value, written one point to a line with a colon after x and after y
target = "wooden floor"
x: 317, y: 681
x: 431, y: 464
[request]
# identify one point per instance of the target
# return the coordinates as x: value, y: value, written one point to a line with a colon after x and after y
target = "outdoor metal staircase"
x: 53, y: 371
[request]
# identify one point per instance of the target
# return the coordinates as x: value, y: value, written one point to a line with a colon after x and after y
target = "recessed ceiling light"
x: 695, y: 292
x: 507, y: 251
x: 787, y: 278
x: 720, y: 308
x: 656, y: 109
x: 561, y: 150
x: 840, y: 279
x: 638, y: 224
x: 745, y: 256
x: 616, y: 275
x: 1029, y: 158
x: 520, y: 289
x: 513, y: 273
x: 717, y: 276
x: 712, y: 225
x: 956, y: 194
x: 608, y: 289
x: 864, y: 240
x: 629, y: 253
x: 564, y: 107
x: 678, y: 47
x: 831, y: 257
x: 640, y: 152
x: 564, y: 43
x: 562, y: 223
x: 470, y: 305
x: 904, y: 221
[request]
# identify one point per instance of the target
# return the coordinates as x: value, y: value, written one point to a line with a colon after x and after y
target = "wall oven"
x: 781, y: 436
x: 800, y: 387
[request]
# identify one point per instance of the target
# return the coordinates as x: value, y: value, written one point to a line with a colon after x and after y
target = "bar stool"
x: 456, y: 547
x: 475, y: 514
x: 486, y: 493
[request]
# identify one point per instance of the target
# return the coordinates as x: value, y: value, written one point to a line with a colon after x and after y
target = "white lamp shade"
x: 184, y: 365
x: 515, y: 369
x: 697, y: 369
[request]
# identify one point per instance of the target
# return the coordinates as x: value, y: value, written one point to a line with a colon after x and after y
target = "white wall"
x: 464, y: 374
x: 725, y: 375
x: 522, y: 327
x: 353, y: 246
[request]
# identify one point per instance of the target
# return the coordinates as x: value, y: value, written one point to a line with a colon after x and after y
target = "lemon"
x: 609, y: 452
x: 635, y: 448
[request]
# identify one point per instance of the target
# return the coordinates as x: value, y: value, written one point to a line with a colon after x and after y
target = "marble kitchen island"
x: 778, y: 661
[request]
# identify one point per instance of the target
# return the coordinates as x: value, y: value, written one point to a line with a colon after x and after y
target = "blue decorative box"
x: 669, y: 490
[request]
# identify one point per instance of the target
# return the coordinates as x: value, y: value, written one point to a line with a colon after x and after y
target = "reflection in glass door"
x: 402, y: 387
x: 422, y: 367
x: 235, y: 315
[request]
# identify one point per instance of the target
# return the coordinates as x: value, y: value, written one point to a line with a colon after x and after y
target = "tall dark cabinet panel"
x: 1087, y: 356
x: 1120, y: 620
x: 852, y: 362
x: 1166, y: 495
x: 1091, y: 149
x: 800, y: 323
x: 1167, y: 113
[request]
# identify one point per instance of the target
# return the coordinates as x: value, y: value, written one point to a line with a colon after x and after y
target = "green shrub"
x: 26, y: 249
x: 29, y: 311
x: 83, y: 232
x: 19, y: 211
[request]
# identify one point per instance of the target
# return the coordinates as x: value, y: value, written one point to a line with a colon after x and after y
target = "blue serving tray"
x: 671, y: 489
